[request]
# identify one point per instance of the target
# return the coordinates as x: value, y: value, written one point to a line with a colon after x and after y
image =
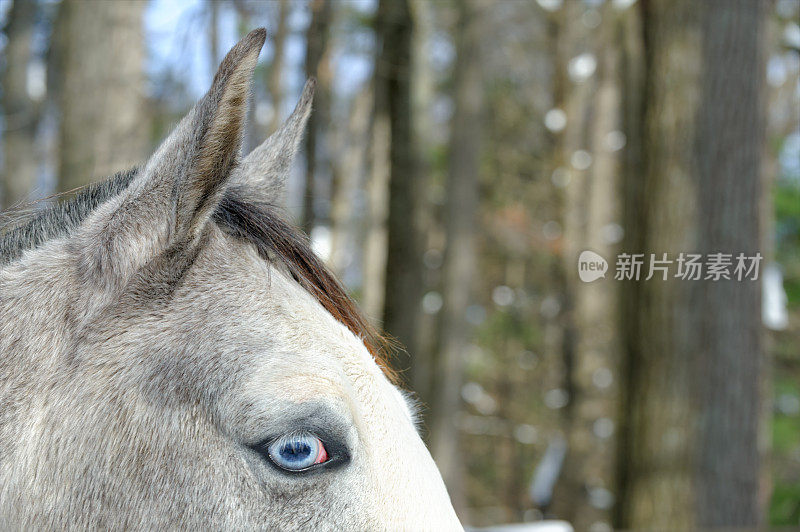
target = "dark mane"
x: 256, y: 223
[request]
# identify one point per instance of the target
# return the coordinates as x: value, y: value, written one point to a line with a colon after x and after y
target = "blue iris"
x: 295, y: 452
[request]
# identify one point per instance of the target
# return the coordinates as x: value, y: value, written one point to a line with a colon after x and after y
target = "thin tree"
x: 459, y: 258
x: 317, y: 38
x: 213, y: 35
x: 20, y: 110
x: 275, y: 72
x: 591, y: 212
x: 423, y: 92
x: 347, y: 166
x: 403, y: 278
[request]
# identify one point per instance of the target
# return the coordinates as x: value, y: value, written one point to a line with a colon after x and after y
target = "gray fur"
x: 146, y: 348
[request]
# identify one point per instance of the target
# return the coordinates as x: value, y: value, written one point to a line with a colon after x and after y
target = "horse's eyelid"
x: 312, y: 418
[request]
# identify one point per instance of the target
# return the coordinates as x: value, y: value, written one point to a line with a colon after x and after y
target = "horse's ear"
x: 264, y: 171
x: 173, y: 196
x: 218, y: 133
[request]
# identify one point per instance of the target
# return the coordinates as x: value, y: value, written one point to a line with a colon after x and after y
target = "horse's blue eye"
x: 296, y: 452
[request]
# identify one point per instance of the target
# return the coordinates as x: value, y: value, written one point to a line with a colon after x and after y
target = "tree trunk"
x: 403, y: 262
x: 275, y: 71
x: 377, y: 186
x: 348, y: 169
x: 20, y: 111
x: 423, y: 92
x: 591, y: 211
x: 690, y: 449
x: 729, y: 148
x: 100, y: 52
x: 316, y: 46
x: 459, y: 258
x: 213, y: 37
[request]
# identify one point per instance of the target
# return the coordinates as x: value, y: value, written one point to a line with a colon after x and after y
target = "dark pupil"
x: 296, y: 451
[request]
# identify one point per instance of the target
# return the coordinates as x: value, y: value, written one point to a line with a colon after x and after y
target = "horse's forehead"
x: 293, y: 350
x: 299, y: 334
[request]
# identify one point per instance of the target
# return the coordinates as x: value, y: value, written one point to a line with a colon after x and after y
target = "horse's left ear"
x: 218, y: 131
x: 170, y: 200
x: 264, y: 171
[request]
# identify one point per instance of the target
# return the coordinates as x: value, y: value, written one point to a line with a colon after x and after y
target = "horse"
x: 174, y: 356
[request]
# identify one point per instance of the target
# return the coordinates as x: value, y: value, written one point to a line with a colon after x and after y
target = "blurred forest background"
x: 460, y: 156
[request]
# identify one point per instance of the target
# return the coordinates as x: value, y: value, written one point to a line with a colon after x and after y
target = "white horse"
x: 172, y: 355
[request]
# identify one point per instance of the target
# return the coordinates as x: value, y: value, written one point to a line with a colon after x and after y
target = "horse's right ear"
x: 168, y: 203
